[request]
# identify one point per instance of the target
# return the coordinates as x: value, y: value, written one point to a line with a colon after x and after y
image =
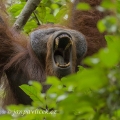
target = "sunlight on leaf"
x: 83, y: 6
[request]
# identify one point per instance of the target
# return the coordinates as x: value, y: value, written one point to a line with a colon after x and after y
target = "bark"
x: 30, y: 6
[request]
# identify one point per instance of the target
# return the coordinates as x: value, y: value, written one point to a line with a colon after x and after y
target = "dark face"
x: 58, y: 49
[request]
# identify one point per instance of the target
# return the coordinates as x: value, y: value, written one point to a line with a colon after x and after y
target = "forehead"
x: 43, y: 32
x: 48, y: 30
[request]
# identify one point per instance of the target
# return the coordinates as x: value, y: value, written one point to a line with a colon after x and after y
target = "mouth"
x: 62, y: 50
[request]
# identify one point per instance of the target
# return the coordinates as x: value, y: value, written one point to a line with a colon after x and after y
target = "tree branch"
x: 25, y: 14
x: 38, y: 22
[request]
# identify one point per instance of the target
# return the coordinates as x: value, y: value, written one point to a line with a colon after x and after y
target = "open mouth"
x: 62, y: 50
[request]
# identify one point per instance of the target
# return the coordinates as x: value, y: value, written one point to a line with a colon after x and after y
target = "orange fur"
x: 18, y: 60
x: 86, y: 23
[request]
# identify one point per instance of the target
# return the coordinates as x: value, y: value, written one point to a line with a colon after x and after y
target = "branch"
x: 38, y: 22
x: 25, y: 14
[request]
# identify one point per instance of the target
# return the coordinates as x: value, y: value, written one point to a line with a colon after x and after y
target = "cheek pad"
x: 38, y: 41
x: 80, y: 42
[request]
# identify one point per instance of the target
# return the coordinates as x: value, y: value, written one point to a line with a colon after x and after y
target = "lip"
x: 62, y: 47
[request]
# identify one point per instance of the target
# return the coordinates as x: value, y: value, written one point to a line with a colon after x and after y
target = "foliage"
x: 48, y: 11
x: 90, y: 94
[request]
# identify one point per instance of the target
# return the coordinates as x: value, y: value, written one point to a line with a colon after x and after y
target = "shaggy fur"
x: 19, y: 62
x: 86, y: 23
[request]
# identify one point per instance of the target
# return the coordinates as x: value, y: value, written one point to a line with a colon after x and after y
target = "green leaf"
x: 16, y: 8
x: 113, y: 42
x: 30, y: 25
x: 32, y: 92
x: 54, y: 6
x: 49, y: 18
x: 36, y: 84
x: 91, y: 78
x: 108, y: 4
x: 41, y: 12
x: 83, y: 6
x: 44, y: 1
x: 109, y: 57
x: 23, y: 0
x: 101, y: 26
x: 53, y: 80
x: 59, y: 17
x: 5, y: 117
x: 108, y: 24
